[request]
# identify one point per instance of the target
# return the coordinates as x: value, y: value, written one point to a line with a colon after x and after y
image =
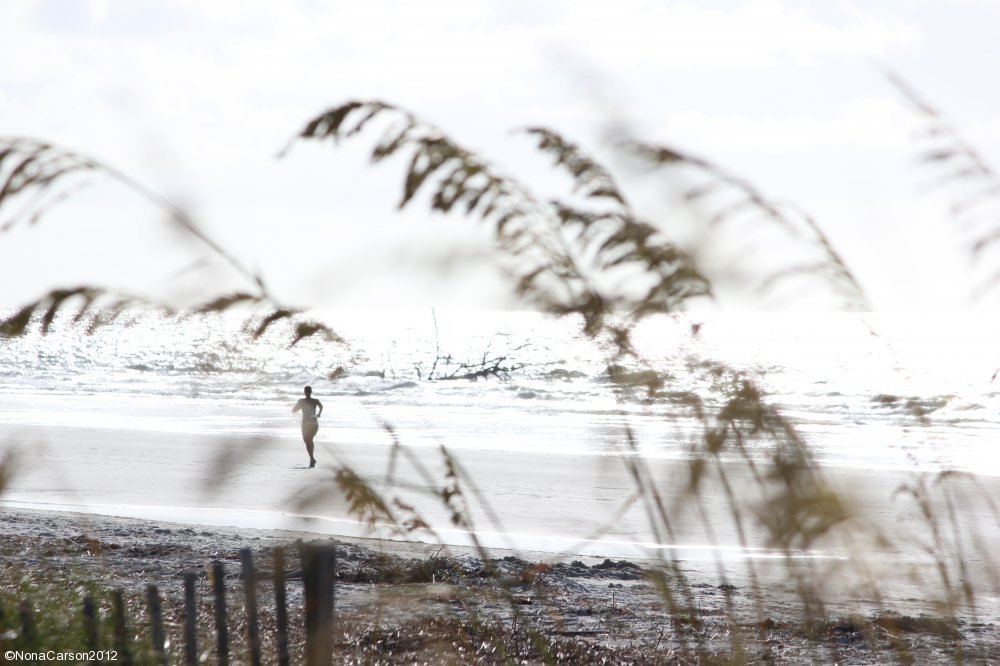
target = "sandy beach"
x: 518, y: 501
x: 160, y: 505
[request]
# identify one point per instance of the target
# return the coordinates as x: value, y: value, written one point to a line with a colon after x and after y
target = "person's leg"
x: 308, y: 435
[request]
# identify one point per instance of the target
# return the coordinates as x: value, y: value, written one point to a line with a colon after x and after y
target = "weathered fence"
x: 318, y: 566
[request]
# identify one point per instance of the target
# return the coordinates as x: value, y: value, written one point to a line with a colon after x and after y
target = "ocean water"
x: 850, y: 381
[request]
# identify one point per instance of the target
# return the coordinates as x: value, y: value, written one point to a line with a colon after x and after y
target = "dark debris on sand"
x: 397, y: 605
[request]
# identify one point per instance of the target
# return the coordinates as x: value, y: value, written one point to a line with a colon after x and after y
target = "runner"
x: 311, y: 409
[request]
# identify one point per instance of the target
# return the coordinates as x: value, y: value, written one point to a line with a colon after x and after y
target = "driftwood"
x: 497, y: 367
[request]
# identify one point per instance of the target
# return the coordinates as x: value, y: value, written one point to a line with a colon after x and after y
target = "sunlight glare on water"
x: 855, y: 383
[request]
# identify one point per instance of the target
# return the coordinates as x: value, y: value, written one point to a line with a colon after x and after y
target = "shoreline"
x: 542, y: 502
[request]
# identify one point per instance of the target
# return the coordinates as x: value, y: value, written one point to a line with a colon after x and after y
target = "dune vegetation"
x: 589, y: 255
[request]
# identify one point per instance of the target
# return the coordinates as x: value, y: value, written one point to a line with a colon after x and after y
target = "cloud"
x: 759, y: 34
x: 194, y: 98
x: 879, y: 123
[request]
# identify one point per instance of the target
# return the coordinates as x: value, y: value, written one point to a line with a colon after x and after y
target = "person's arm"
x: 297, y: 406
x: 319, y: 406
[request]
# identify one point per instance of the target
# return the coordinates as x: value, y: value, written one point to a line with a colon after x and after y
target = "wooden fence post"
x: 318, y: 571
x: 219, y: 588
x: 190, y: 620
x: 280, y: 609
x: 89, y: 622
x: 27, y: 625
x: 250, y: 597
x: 156, y: 620
x: 121, y: 633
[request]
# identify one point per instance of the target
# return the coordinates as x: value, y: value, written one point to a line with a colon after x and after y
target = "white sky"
x: 195, y: 99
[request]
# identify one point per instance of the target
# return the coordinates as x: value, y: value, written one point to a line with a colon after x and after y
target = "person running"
x: 311, y: 409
